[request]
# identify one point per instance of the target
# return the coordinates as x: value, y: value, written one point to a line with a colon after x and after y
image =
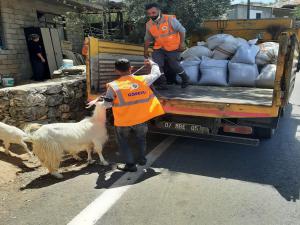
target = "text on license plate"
x: 184, y: 127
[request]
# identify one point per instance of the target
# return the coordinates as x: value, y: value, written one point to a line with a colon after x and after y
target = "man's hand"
x: 91, y: 103
x: 43, y: 60
x: 181, y: 47
x: 147, y: 62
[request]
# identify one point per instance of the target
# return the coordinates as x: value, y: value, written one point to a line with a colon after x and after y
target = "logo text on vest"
x: 136, y: 93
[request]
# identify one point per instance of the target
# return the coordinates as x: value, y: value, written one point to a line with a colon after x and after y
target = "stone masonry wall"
x: 15, y: 15
x: 57, y: 100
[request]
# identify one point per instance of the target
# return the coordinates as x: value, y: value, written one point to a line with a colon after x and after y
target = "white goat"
x: 12, y: 135
x: 50, y: 141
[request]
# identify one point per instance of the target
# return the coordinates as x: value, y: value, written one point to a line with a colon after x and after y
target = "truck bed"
x: 230, y: 95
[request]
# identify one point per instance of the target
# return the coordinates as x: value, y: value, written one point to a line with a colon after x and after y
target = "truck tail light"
x: 237, y: 129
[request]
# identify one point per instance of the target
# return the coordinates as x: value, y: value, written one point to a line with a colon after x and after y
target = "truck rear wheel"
x: 263, y: 133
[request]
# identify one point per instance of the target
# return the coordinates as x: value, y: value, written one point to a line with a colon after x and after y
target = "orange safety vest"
x: 164, y: 34
x: 135, y: 102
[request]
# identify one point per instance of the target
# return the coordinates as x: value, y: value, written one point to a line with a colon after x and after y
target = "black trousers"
x: 38, y: 68
x: 161, y: 57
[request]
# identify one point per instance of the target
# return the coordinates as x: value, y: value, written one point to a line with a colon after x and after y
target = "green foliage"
x: 296, y: 13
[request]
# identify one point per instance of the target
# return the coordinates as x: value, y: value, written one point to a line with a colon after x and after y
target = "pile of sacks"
x: 224, y: 60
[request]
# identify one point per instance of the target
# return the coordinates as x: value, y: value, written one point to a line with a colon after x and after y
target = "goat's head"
x: 100, y: 104
x: 100, y: 111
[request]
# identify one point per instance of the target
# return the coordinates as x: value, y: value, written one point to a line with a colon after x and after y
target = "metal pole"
x: 248, y: 10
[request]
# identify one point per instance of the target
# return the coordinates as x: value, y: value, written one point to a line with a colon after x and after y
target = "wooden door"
x: 51, y: 60
x: 56, y: 47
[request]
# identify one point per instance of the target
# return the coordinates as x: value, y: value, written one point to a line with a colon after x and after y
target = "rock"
x: 4, y: 104
x: 18, y: 100
x: 41, y: 90
x: 65, y: 116
x: 61, y: 99
x: 54, y: 100
x: 53, y: 112
x: 70, y: 86
x: 3, y: 94
x: 54, y: 89
x: 69, y: 94
x: 35, y: 113
x: 36, y: 100
x: 67, y: 100
x: 64, y: 108
x: 21, y: 92
x: 43, y: 117
x: 78, y: 94
x: 15, y: 112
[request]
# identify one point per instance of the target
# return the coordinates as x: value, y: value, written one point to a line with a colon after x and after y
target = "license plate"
x: 184, y: 127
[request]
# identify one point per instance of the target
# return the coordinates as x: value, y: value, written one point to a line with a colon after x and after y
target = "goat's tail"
x: 47, y: 150
x: 32, y: 127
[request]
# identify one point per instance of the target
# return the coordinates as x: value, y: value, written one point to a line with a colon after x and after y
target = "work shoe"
x: 184, y: 84
x: 127, y: 167
x: 185, y: 80
x: 142, y: 161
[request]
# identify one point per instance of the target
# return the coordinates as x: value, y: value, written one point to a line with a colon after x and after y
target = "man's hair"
x: 152, y: 5
x: 122, y: 65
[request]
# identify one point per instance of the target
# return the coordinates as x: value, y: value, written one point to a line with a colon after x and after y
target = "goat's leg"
x: 24, y: 145
x: 51, y: 162
x: 98, y: 149
x: 76, y: 157
x: 6, y: 148
x: 89, y: 152
x: 56, y: 174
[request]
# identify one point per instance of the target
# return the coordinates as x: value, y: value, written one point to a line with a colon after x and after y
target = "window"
x: 258, y: 15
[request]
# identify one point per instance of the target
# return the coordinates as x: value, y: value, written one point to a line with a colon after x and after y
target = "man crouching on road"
x: 133, y: 105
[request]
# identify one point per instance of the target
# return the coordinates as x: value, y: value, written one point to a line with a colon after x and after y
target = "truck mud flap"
x: 208, y: 137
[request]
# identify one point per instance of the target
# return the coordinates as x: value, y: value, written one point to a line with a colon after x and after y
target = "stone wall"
x: 57, y: 100
x: 15, y: 15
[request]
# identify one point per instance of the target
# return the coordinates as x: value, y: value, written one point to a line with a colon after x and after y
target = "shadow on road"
x: 82, y: 168
x: 78, y: 168
x: 16, y: 161
x: 108, y: 179
x: 275, y: 162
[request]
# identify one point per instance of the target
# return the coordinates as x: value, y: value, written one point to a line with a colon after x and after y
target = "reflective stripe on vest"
x: 122, y: 102
x: 169, y: 27
x: 133, y: 106
x: 161, y: 39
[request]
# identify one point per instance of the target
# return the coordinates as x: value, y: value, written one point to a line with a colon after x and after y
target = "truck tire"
x: 263, y: 133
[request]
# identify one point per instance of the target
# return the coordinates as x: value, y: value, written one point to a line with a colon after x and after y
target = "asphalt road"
x: 200, y: 182
x: 192, y: 182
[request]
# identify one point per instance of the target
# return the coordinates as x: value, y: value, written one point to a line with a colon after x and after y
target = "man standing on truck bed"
x: 168, y: 35
x: 133, y: 104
